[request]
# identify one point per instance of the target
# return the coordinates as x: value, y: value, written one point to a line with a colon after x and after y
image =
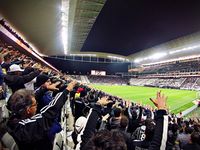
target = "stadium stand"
x: 108, y: 80
x: 187, y: 65
x: 126, y: 121
x: 189, y: 83
x: 178, y: 83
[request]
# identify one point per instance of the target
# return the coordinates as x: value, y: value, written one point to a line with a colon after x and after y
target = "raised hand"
x: 103, y: 101
x: 52, y: 87
x: 160, y: 101
x: 71, y: 85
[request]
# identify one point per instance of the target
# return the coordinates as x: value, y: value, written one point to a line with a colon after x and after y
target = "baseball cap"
x: 14, y: 68
x: 41, y: 79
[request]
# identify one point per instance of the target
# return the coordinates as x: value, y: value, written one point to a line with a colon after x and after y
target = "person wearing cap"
x: 15, y: 80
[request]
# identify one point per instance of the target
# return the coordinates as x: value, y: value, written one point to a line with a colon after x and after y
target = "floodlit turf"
x: 178, y: 100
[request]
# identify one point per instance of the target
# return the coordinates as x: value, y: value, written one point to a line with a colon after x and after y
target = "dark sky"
x: 129, y: 26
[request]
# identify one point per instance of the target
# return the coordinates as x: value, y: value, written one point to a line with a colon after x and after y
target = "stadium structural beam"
x: 13, y: 38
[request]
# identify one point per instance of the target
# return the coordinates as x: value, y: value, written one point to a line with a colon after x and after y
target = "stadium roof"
x: 40, y: 22
x: 122, y: 27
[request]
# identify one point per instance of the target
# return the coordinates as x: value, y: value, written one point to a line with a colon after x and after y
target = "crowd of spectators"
x: 190, y: 83
x: 126, y: 122
x: 114, y: 80
x: 76, y: 77
x: 5, y: 25
x: 197, y: 84
x: 191, y: 65
x: 23, y: 79
x: 99, y: 121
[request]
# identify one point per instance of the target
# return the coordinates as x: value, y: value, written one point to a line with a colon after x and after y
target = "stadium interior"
x: 96, y: 70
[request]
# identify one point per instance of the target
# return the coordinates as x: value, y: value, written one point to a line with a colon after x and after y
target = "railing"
x: 60, y: 142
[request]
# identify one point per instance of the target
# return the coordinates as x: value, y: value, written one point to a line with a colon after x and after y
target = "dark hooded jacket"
x: 16, y: 82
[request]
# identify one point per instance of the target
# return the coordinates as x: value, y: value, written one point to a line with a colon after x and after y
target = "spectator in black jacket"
x: 147, y: 136
x: 15, y: 80
x: 30, y: 130
x: 114, y: 121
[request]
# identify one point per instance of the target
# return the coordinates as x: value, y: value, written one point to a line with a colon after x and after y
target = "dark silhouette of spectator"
x: 15, y: 80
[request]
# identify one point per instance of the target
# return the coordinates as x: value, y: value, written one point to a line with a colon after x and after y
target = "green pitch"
x: 178, y: 100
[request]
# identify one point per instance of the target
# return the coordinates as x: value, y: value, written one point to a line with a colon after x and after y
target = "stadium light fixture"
x: 64, y: 24
x: 185, y: 49
x: 161, y: 55
x: 114, y: 57
x: 154, y: 57
x: 118, y: 58
x: 138, y: 60
x: 90, y: 55
x: 158, y: 55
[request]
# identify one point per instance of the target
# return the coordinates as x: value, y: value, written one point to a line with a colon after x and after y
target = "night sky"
x: 128, y: 26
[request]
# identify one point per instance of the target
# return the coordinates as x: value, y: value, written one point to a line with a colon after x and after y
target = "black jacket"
x: 191, y: 147
x: 161, y: 130
x: 16, y: 82
x: 32, y: 133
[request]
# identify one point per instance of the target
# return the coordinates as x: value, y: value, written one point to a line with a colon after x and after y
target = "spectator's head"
x: 106, y: 140
x: 195, y: 137
x: 195, y: 122
x: 80, y: 124
x: 174, y: 128
x: 117, y: 112
x: 7, y: 58
x: 124, y: 122
x: 42, y: 79
x: 134, y: 114
x: 79, y: 90
x: 189, y: 130
x: 16, y: 69
x: 22, y: 104
x: 92, y: 97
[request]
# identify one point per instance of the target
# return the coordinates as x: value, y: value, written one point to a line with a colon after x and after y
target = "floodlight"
x: 137, y: 60
x: 185, y: 49
x: 158, y: 55
x: 64, y: 24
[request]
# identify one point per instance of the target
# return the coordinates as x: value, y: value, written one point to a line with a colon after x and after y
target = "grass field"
x: 178, y: 100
